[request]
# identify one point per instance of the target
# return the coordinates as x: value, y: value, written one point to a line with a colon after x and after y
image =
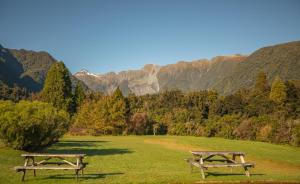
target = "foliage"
x: 278, y: 92
x: 14, y: 93
x: 79, y: 94
x: 102, y: 115
x: 58, y: 88
x: 31, y: 125
x: 256, y: 113
x: 261, y: 84
x: 140, y: 124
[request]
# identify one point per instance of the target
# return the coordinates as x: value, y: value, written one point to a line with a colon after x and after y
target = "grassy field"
x: 156, y: 159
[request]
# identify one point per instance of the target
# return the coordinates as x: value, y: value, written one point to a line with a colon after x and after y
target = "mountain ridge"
x: 148, y: 80
x: 225, y: 74
x: 26, y: 68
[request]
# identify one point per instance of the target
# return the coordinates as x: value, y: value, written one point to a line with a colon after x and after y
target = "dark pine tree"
x: 79, y: 95
x: 58, y: 88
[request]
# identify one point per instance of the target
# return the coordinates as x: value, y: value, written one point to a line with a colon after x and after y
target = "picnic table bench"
x: 47, y: 164
x: 205, y: 159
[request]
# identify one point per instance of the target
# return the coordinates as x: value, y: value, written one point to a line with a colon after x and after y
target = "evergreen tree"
x: 261, y: 85
x: 79, y: 95
x: 118, y: 111
x: 58, y: 88
x: 278, y: 92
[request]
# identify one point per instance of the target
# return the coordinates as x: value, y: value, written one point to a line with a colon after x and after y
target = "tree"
x: 58, y: 88
x: 118, y: 111
x: 79, y: 95
x: 261, y: 85
x: 278, y: 92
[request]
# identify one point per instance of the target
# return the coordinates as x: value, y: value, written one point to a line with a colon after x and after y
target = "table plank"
x: 52, y: 155
x: 217, y: 153
x: 18, y: 168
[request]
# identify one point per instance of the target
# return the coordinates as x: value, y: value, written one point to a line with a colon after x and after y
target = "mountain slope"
x: 226, y: 74
x: 26, y: 68
x: 282, y: 60
x: 140, y: 82
x: 197, y: 75
x: 187, y: 76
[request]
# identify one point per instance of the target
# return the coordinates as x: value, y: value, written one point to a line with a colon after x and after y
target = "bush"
x: 140, y: 124
x: 246, y: 130
x: 264, y: 133
x: 222, y: 126
x: 296, y: 133
x: 282, y: 131
x: 31, y: 125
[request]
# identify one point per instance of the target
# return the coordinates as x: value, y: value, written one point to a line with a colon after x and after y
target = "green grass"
x: 156, y: 159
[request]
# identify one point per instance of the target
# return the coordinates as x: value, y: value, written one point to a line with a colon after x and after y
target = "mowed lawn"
x: 155, y: 159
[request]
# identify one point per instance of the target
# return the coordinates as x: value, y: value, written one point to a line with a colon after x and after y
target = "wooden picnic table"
x: 206, y: 159
x: 46, y: 163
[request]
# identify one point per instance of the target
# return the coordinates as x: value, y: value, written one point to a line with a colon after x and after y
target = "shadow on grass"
x: 211, y: 174
x: 78, y: 143
x: 83, y: 177
x: 84, y: 147
x: 89, y: 151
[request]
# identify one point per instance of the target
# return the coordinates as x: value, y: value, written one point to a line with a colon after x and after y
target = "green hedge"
x: 31, y: 125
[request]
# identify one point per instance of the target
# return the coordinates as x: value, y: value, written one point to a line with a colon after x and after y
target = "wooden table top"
x: 51, y: 155
x: 217, y: 153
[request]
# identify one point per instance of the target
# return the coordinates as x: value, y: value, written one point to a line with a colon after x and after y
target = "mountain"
x: 282, y: 60
x: 140, y: 82
x: 225, y: 74
x: 187, y: 76
x: 25, y: 68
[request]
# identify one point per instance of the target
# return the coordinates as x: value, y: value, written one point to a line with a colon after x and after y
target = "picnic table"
x: 207, y: 159
x: 46, y: 163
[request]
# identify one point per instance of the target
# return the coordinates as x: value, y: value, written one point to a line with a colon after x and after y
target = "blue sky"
x: 115, y: 35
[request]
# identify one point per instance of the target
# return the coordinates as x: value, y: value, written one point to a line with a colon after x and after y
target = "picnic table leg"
x: 245, y: 168
x: 76, y: 174
x: 201, y: 168
x: 233, y: 158
x: 24, y: 171
x: 23, y: 177
x: 81, y: 162
x: 247, y: 172
x: 33, y: 163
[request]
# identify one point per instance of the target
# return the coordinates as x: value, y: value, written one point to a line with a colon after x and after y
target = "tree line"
x: 264, y: 112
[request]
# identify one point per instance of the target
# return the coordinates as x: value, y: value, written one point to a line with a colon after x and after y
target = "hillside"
x: 187, y: 76
x: 140, y: 82
x: 282, y: 60
x: 226, y: 74
x: 25, y: 68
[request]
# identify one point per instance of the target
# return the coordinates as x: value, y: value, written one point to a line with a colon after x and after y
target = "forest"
x: 269, y: 112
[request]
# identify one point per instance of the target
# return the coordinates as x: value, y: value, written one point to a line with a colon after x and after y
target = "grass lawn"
x: 155, y: 159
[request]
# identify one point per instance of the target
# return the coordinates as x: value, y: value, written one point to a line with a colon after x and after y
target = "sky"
x: 116, y: 35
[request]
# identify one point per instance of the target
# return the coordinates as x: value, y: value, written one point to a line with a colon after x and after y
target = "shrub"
x: 246, y: 130
x: 264, y: 133
x: 222, y: 126
x: 296, y: 133
x: 159, y: 128
x: 282, y: 131
x: 31, y: 125
x: 140, y: 124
